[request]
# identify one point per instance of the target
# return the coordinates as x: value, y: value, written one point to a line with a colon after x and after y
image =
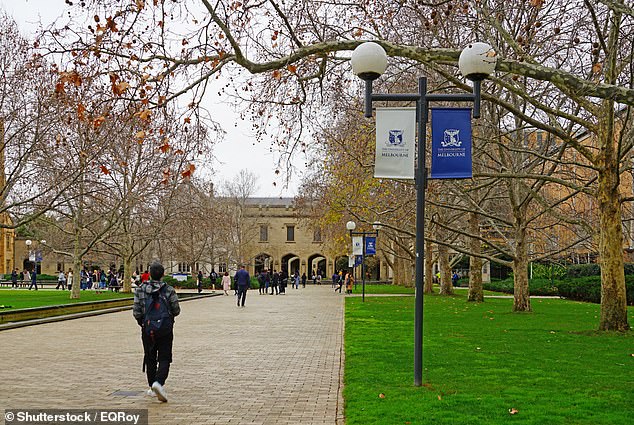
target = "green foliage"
x: 480, y: 361
x: 535, y: 286
x: 589, y: 289
x: 580, y: 270
x: 548, y: 271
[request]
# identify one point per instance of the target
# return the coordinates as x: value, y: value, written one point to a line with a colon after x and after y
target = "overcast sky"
x: 238, y: 151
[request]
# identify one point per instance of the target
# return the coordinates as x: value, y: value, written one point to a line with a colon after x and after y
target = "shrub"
x: 589, y: 289
x: 548, y: 271
x: 535, y: 286
x: 581, y: 270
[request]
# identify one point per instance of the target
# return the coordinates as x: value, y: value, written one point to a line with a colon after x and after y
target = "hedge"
x: 191, y: 283
x: 586, y: 288
x: 535, y: 286
x: 593, y: 269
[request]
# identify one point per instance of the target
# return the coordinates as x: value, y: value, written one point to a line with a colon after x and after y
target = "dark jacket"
x: 242, y: 278
x: 143, y: 292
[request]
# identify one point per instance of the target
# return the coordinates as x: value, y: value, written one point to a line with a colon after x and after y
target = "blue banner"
x: 451, y: 143
x: 358, y: 260
x: 370, y: 245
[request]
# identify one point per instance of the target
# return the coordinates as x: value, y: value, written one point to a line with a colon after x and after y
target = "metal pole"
x: 363, y: 269
x: 421, y: 176
x: 368, y: 99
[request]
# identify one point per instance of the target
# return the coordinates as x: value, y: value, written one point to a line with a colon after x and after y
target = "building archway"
x: 317, y: 263
x: 290, y: 264
x: 262, y: 262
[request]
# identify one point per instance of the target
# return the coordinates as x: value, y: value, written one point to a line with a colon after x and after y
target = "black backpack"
x: 158, y: 320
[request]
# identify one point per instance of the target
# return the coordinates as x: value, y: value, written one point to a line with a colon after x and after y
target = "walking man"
x: 243, y: 281
x: 155, y: 306
x: 61, y: 281
x: 33, y: 280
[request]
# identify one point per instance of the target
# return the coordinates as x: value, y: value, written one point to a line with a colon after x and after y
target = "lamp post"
x: 351, y: 226
x: 476, y: 62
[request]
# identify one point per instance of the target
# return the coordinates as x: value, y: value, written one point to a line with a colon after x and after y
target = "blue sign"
x: 370, y: 245
x: 451, y: 143
x: 358, y: 260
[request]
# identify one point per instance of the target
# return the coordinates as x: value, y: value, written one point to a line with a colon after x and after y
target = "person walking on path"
x: 275, y: 282
x: 226, y: 283
x: 14, y: 279
x: 349, y: 283
x: 335, y: 280
x: 61, y: 280
x: 213, y: 278
x: 199, y: 281
x: 242, y: 280
x: 69, y: 280
x: 267, y: 282
x: 261, y: 283
x: 296, y: 279
x: 33, y: 280
x: 304, y: 280
x: 155, y: 306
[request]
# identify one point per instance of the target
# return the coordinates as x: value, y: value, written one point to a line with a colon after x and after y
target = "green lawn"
x: 480, y: 360
x: 20, y: 298
x: 381, y: 289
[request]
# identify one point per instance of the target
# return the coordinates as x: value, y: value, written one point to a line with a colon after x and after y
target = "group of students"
x: 23, y: 278
x: 278, y: 281
x: 213, y: 278
x: 339, y: 280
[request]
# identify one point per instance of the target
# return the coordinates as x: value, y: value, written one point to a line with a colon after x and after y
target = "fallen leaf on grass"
x: 439, y: 397
x: 381, y: 395
x: 513, y: 411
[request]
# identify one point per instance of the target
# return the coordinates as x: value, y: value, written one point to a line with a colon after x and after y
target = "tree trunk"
x: 429, y: 269
x: 613, y: 297
x: 446, y: 287
x: 127, y: 274
x: 476, y: 293
x: 521, y: 298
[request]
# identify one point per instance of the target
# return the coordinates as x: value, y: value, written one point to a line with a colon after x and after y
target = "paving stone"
x: 276, y: 361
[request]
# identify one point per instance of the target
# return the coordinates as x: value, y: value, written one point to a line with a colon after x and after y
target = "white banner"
x: 357, y: 245
x: 351, y: 261
x: 395, y: 143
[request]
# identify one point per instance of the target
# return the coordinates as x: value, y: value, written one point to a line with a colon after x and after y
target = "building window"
x: 264, y: 233
x: 540, y: 139
x: 222, y: 268
x: 290, y: 233
x: 184, y: 268
x: 317, y: 235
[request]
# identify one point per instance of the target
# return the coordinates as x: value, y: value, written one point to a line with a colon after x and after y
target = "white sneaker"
x: 159, y: 391
x: 150, y: 393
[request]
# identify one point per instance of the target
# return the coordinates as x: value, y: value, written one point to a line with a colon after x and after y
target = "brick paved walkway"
x: 277, y: 361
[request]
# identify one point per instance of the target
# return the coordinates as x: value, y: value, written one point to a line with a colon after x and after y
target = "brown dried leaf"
x: 513, y: 411
x: 120, y: 88
x: 144, y: 114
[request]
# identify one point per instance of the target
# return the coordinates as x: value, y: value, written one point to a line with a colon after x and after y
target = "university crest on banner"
x: 451, y: 143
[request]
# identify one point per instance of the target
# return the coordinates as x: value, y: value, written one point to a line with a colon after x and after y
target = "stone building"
x: 280, y: 240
